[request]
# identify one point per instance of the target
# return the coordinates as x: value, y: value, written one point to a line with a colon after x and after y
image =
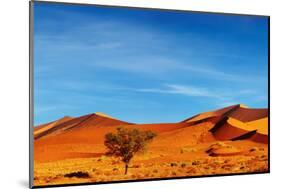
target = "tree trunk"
x: 126, y: 168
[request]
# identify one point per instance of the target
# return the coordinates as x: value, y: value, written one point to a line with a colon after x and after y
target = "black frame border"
x: 31, y: 93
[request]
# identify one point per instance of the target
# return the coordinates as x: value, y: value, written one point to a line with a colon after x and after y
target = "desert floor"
x: 156, y: 163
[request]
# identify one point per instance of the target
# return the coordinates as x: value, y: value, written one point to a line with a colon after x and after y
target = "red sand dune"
x: 258, y: 137
x: 216, y: 113
x: 73, y: 137
x: 96, y: 119
x: 226, y: 131
x: 246, y: 114
x: 43, y: 128
x: 236, y: 122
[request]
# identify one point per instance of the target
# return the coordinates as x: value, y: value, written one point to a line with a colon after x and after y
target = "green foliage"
x: 125, y: 143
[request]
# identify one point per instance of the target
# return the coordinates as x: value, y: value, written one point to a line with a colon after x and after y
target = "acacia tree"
x: 125, y: 143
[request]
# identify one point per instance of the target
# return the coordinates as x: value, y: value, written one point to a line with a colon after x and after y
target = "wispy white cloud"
x: 40, y: 109
x: 221, y: 96
x: 182, y: 90
x: 43, y: 109
x: 212, y: 72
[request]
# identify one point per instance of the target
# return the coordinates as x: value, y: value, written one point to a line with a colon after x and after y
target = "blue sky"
x: 145, y: 66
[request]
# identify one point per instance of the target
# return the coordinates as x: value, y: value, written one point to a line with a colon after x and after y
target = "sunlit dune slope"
x: 83, y: 136
x: 236, y: 122
x: 87, y: 140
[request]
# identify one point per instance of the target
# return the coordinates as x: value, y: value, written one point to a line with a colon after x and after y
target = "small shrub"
x: 183, y: 165
x: 155, y: 171
x: 174, y: 164
x: 263, y: 156
x: 196, y: 162
x: 254, y: 149
x: 78, y: 174
x: 115, y: 169
x: 227, y: 161
x: 135, y: 166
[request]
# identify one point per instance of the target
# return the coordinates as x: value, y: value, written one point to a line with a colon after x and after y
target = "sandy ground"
x: 157, y: 162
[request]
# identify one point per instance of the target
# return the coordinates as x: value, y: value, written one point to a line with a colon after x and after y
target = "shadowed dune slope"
x: 226, y: 131
x: 232, y: 129
x: 90, y: 120
x: 65, y: 118
x: 246, y: 114
x: 84, y: 136
x: 239, y: 112
x: 216, y: 113
x: 235, y: 122
x: 45, y: 127
x: 261, y: 138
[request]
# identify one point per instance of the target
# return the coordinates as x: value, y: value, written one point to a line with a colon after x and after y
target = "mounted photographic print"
x: 121, y: 94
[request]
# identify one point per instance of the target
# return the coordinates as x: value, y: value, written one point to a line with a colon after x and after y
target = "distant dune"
x: 235, y: 121
x: 230, y: 123
x: 67, y: 124
x: 45, y: 127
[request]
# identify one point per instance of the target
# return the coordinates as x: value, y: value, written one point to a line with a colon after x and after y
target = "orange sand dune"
x: 43, y: 128
x: 258, y: 137
x: 246, y: 114
x: 239, y: 112
x: 223, y: 130
x: 220, y: 112
x: 96, y: 120
x: 186, y: 135
x: 231, y: 129
x: 88, y: 135
x: 61, y: 139
x: 260, y: 125
x: 235, y: 123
